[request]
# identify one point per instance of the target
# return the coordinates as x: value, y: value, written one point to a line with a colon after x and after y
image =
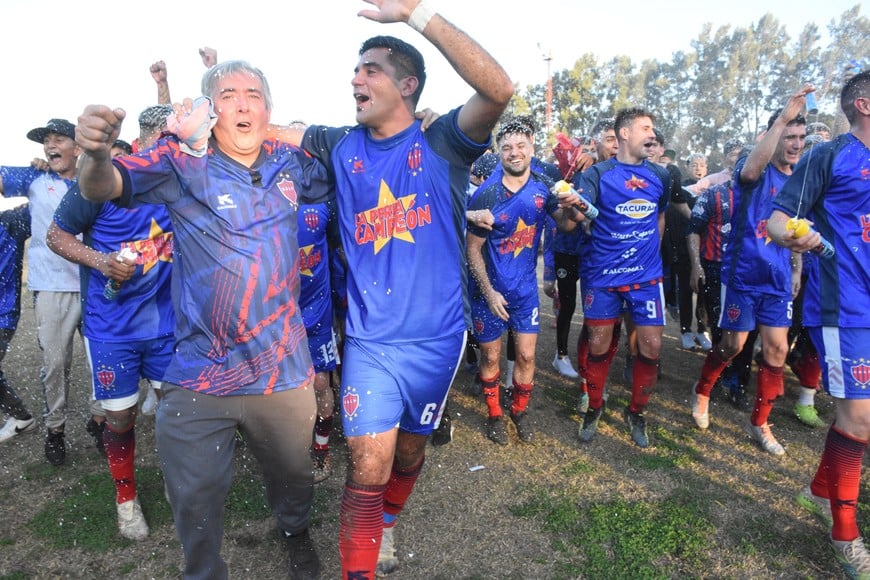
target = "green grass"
x: 634, y: 539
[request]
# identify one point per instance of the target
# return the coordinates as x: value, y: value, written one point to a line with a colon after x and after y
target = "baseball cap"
x: 59, y: 126
x: 670, y: 154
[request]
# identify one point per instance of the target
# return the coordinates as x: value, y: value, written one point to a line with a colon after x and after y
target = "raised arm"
x: 493, y: 88
x: 158, y: 73
x: 98, y: 127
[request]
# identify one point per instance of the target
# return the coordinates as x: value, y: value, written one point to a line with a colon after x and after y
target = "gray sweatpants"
x: 195, y: 441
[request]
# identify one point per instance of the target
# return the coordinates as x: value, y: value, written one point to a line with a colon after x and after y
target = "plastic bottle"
x: 585, y: 207
x: 113, y: 288
x: 801, y: 227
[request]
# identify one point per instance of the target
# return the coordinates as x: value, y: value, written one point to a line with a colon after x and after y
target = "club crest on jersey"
x: 312, y: 219
x: 288, y: 190
x: 415, y: 158
x: 732, y: 312
x: 350, y: 404
x: 636, y: 208
x: 478, y: 325
x: 588, y: 300
x: 539, y: 202
x: 106, y: 376
x: 861, y: 374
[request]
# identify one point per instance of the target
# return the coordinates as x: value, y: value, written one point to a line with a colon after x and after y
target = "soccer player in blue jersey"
x: 831, y: 187
x: 315, y: 223
x: 241, y: 360
x: 401, y: 207
x: 129, y: 335
x: 621, y: 266
x: 502, y: 261
x: 759, y: 280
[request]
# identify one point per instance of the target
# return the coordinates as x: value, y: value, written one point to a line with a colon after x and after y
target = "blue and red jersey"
x: 751, y: 262
x: 711, y: 220
x: 831, y: 186
x: 315, y: 296
x: 143, y: 308
x: 401, y: 206
x: 511, y: 248
x: 623, y: 248
x: 235, y: 284
x: 14, y: 231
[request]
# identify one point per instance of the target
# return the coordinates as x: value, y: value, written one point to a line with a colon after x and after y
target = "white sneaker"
x: 703, y: 340
x: 15, y: 427
x: 563, y: 365
x: 853, y: 557
x: 149, y: 405
x: 687, y: 341
x: 764, y: 437
x: 131, y: 522
x: 388, y: 562
x: 700, y: 408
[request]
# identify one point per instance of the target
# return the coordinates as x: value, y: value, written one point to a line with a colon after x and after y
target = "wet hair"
x: 817, y: 127
x: 519, y: 124
x: 213, y: 75
x: 799, y: 120
x: 600, y: 127
x: 124, y: 146
x: 732, y: 144
x: 660, y: 138
x: 405, y: 58
x: 484, y: 165
x: 153, y: 118
x: 626, y: 117
x: 855, y: 87
x: 695, y: 157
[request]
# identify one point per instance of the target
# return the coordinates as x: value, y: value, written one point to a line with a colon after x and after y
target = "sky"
x: 67, y: 55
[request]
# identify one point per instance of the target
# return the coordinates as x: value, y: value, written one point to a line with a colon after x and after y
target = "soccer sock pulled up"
x: 597, y: 367
x: 490, y: 394
x: 399, y: 488
x: 120, y: 449
x: 714, y: 364
x: 322, y: 430
x: 839, y: 478
x: 644, y: 379
x: 522, y: 395
x: 770, y: 386
x: 360, y: 529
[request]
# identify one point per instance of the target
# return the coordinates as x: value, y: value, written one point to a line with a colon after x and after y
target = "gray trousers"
x: 10, y: 402
x: 196, y: 437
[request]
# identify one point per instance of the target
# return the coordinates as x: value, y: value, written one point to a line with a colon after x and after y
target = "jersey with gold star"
x: 401, y: 207
x: 315, y: 295
x: 143, y: 307
x: 751, y: 262
x: 511, y: 247
x: 832, y: 188
x: 623, y: 246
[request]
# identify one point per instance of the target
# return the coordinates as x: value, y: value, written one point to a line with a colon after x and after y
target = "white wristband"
x: 420, y: 17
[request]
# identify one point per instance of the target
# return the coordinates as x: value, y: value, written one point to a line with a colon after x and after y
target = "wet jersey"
x: 14, y: 231
x: 401, y: 206
x: 315, y: 295
x: 142, y: 309
x: 750, y: 261
x: 831, y: 186
x: 624, y: 245
x: 235, y: 271
x: 511, y: 247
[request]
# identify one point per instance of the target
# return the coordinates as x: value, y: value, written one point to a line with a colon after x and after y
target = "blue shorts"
x: 405, y: 385
x: 523, y: 317
x: 324, y: 350
x: 844, y: 354
x: 117, y: 367
x: 645, y: 303
x: 742, y: 311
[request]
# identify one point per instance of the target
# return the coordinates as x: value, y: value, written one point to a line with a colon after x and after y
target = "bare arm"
x: 98, y: 127
x: 158, y: 73
x: 493, y: 88
x: 482, y: 218
x: 477, y: 267
x: 696, y: 275
x: 777, y: 229
x: 67, y: 246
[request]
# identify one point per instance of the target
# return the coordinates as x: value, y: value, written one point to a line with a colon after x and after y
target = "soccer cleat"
x: 321, y: 464
x: 55, y: 447
x: 853, y: 558
x: 590, y: 424
x: 700, y: 408
x: 816, y: 505
x: 563, y: 365
x: 687, y: 341
x: 131, y: 521
x: 96, y: 431
x: 524, y: 426
x: 388, y: 562
x: 703, y: 340
x: 149, y: 405
x: 762, y: 435
x: 15, y: 427
x: 637, y: 425
x: 496, y: 431
x: 808, y: 415
x: 304, y: 562
x: 443, y: 434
